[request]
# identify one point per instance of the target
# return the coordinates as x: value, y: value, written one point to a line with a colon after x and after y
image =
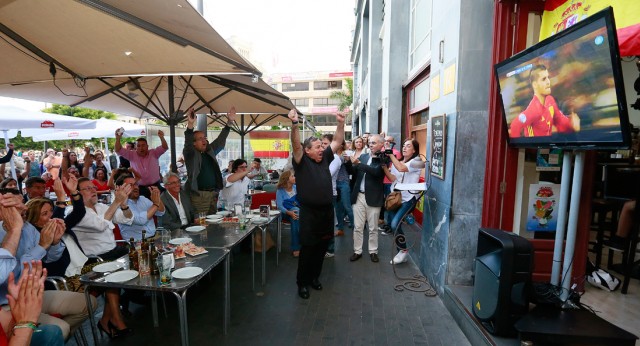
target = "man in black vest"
x: 315, y: 198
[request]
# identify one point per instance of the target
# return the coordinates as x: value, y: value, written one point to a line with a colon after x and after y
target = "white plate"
x: 214, y: 216
x: 259, y: 219
x: 122, y: 276
x: 195, y: 228
x: 223, y: 213
x: 179, y: 241
x: 212, y: 221
x: 107, y: 267
x: 187, y: 273
x: 249, y: 216
x: 274, y: 212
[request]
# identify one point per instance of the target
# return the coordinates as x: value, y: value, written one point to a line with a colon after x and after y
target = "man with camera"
x: 367, y: 196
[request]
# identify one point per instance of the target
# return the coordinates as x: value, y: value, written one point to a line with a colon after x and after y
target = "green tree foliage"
x: 79, y: 112
x: 344, y: 96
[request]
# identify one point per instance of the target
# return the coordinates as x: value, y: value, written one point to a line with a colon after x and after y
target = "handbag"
x: 394, y: 199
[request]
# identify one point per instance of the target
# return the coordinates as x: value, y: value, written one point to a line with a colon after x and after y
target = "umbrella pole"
x: 172, y: 126
x: 11, y: 163
x: 242, y: 136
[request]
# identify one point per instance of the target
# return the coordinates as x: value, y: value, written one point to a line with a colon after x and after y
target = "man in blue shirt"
x: 143, y: 210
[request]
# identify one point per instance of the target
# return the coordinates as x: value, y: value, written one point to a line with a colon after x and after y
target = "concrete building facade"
x: 413, y: 60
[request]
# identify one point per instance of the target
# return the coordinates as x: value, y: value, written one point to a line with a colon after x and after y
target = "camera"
x: 382, y: 155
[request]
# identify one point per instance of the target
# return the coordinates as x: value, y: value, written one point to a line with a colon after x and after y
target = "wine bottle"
x: 133, y: 255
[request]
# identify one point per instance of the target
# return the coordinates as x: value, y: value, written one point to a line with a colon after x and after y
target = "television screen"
x: 567, y: 91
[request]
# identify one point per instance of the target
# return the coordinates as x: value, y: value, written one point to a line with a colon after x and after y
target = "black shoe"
x: 355, y: 257
x: 374, y: 257
x: 616, y: 243
x: 303, y: 292
x: 316, y: 285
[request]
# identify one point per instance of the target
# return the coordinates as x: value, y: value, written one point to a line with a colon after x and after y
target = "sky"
x: 286, y: 35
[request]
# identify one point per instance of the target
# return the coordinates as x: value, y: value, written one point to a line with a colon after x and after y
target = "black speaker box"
x: 503, y: 269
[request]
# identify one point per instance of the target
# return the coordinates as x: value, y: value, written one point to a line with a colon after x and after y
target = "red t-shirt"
x: 100, y: 186
x: 538, y: 119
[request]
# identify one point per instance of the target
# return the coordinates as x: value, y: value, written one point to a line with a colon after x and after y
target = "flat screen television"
x: 567, y: 91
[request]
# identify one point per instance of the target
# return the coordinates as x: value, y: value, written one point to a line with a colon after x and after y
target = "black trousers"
x: 144, y: 189
x: 316, y: 230
x: 310, y: 262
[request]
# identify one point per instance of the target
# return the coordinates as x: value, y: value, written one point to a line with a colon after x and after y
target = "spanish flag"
x: 265, y: 144
x: 561, y: 14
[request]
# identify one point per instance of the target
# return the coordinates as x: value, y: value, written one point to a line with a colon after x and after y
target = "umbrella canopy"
x: 105, y: 128
x: 90, y: 38
x: 143, y: 58
x: 13, y: 118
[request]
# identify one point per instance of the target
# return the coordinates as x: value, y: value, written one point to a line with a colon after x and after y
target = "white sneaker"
x: 329, y: 255
x: 401, y: 257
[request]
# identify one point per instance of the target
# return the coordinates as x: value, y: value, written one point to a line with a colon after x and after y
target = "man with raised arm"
x: 315, y: 196
x: 204, y: 179
x: 144, y: 161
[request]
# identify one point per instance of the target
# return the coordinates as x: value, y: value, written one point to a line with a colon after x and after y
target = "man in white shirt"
x: 95, y: 229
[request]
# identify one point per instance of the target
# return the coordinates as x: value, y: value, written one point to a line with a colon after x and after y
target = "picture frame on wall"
x: 438, y: 125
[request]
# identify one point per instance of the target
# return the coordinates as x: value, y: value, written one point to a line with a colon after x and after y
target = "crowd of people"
x: 330, y: 184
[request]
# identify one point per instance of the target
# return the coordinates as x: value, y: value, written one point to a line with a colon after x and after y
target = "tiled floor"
x: 358, y: 306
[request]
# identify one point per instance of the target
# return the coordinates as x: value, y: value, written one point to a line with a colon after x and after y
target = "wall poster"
x: 438, y: 145
x: 542, y: 212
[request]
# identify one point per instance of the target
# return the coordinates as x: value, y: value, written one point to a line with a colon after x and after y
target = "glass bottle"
x: 133, y: 255
x: 144, y: 245
x: 153, y: 256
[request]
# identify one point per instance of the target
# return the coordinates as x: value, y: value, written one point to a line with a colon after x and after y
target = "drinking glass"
x: 164, y: 269
x: 274, y: 205
x: 144, y: 263
x: 202, y: 218
x: 165, y: 236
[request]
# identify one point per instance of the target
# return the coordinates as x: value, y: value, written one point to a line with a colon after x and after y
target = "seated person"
x: 178, y: 210
x: 35, y: 188
x: 100, y: 180
x: 236, y: 184
x: 47, y: 246
x: 143, y: 210
x: 288, y: 206
x: 620, y: 240
x: 92, y: 235
x: 257, y: 171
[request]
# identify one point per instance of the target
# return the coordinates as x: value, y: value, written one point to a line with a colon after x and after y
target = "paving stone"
x: 358, y: 306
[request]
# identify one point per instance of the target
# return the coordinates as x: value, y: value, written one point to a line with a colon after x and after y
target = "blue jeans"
x: 49, y: 335
x: 331, y: 245
x: 344, y: 205
x: 295, y: 229
x: 394, y: 217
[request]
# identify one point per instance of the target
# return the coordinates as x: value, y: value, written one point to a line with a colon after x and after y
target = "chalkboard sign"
x: 438, y: 145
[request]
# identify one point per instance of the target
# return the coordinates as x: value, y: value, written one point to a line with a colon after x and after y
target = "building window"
x: 324, y: 102
x: 419, y: 95
x: 295, y: 86
x: 300, y: 102
x: 327, y: 85
x: 420, y: 32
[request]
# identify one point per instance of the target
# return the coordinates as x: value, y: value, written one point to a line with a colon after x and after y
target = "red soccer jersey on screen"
x: 538, y: 119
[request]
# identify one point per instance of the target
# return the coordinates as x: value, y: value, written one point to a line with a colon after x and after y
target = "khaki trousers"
x: 204, y: 201
x: 363, y: 213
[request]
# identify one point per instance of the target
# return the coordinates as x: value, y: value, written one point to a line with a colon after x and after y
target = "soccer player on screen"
x: 543, y: 113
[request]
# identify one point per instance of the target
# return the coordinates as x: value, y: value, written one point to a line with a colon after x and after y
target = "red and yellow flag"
x: 561, y: 14
x: 267, y: 144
